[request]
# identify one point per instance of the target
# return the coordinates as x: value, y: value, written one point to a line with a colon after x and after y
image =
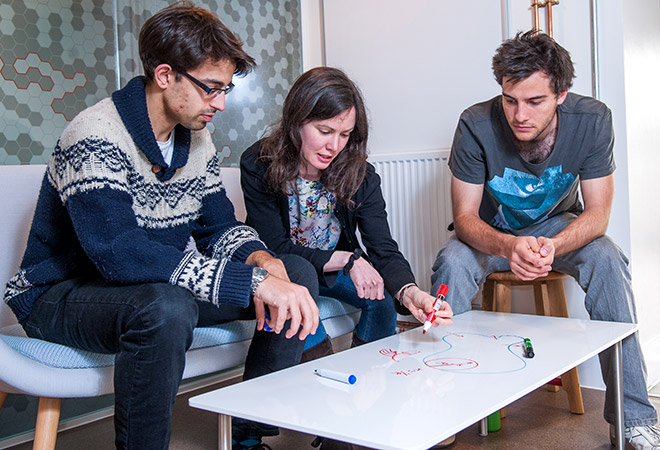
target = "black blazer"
x: 268, y: 213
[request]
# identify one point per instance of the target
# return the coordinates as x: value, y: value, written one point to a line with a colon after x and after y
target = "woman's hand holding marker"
x: 437, y: 306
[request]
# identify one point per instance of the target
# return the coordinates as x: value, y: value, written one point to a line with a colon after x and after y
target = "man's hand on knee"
x: 286, y: 301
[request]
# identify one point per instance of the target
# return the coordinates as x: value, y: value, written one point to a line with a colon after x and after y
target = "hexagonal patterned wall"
x: 55, y: 59
x: 58, y: 57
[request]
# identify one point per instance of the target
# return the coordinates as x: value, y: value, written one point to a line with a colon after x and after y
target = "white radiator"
x: 416, y: 190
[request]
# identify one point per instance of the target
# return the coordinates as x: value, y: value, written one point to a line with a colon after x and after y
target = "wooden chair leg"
x: 542, y: 299
x: 556, y: 291
x: 543, y: 308
x: 48, y: 418
x: 502, y: 297
x: 571, y: 383
x: 3, y: 396
x: 488, y: 296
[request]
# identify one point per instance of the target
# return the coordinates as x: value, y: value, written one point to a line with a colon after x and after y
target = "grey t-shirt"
x: 518, y: 193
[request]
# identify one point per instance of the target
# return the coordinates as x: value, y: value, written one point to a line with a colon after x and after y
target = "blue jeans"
x: 149, y: 327
x: 377, y: 319
x: 601, y: 270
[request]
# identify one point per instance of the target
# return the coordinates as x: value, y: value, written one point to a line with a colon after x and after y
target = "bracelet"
x: 357, y: 253
x: 403, y: 291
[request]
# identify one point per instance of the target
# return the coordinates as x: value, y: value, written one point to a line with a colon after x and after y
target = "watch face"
x: 259, y: 274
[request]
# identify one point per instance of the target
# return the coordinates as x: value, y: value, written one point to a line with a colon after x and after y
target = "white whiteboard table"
x: 414, y: 390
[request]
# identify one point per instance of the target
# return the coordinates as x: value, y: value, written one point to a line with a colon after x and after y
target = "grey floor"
x: 540, y: 420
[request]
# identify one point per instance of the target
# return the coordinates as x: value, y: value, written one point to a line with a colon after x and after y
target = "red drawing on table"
x: 494, y: 353
x: 454, y: 364
x: 395, y: 354
x: 407, y: 372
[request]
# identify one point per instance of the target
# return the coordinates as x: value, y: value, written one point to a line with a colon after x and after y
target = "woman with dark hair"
x: 308, y: 188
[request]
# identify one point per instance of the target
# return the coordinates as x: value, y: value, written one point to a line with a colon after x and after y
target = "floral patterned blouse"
x: 312, y: 217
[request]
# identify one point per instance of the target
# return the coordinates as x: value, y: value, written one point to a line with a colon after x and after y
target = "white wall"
x: 641, y: 54
x: 421, y: 65
x: 413, y: 65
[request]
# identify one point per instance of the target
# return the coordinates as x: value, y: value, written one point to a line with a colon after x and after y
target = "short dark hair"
x: 185, y: 36
x: 530, y: 52
x: 319, y: 94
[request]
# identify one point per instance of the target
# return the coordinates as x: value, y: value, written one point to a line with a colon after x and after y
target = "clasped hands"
x: 531, y: 257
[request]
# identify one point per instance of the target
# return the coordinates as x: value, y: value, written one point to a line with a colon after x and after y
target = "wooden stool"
x: 550, y: 300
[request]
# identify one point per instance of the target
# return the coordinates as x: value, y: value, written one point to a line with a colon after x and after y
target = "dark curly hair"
x: 318, y: 94
x: 530, y: 52
x: 185, y: 36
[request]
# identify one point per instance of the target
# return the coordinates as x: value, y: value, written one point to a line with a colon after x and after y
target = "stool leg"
x: 571, y: 383
x: 570, y: 380
x: 502, y: 297
x: 542, y: 303
x: 558, y: 308
x: 542, y: 299
x: 488, y: 296
x: 503, y: 304
x: 550, y: 387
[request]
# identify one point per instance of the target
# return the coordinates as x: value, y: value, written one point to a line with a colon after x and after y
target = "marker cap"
x: 337, y: 376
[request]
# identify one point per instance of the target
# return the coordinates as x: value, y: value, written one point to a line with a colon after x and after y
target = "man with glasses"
x: 108, y: 269
x: 517, y: 162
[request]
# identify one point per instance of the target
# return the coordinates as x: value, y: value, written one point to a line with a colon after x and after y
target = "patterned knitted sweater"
x: 102, y: 212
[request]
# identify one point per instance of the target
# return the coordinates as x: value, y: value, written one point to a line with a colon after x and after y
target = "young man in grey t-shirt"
x: 517, y: 161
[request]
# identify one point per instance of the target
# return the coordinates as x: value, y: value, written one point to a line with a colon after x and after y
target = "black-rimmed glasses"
x: 211, y: 92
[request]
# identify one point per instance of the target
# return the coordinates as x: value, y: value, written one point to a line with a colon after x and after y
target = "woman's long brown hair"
x: 319, y: 94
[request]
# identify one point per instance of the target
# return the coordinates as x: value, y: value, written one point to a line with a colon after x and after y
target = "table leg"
x: 483, y: 427
x: 224, y: 432
x: 618, y: 395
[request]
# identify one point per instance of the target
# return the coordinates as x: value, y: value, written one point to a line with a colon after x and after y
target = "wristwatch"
x: 258, y: 275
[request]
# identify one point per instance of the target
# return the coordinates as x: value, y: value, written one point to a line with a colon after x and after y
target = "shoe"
x: 331, y: 444
x: 249, y: 443
x: 444, y: 444
x: 644, y: 437
x: 356, y: 341
x: 323, y: 348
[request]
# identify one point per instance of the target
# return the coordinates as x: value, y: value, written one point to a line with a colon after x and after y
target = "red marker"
x: 439, y: 298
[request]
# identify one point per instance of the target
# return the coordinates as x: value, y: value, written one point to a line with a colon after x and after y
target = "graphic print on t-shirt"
x: 525, y: 199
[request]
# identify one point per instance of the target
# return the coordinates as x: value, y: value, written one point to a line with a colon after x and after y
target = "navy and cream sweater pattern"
x: 102, y: 212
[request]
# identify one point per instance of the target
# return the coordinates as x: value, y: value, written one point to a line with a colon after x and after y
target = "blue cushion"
x: 330, y: 307
x: 56, y: 355
x: 64, y: 357
x: 225, y: 333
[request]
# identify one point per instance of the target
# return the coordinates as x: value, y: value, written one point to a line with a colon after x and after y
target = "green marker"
x: 527, y: 347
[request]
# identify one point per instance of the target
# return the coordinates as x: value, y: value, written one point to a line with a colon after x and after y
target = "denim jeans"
x: 377, y: 319
x: 149, y: 327
x: 601, y: 270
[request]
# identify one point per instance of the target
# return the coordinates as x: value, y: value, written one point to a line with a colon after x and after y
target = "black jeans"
x: 149, y: 327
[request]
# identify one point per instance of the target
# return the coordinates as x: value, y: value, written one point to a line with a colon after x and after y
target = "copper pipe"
x: 548, y: 5
x: 535, y: 9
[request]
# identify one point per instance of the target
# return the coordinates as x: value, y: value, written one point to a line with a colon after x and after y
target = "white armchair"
x: 51, y: 371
